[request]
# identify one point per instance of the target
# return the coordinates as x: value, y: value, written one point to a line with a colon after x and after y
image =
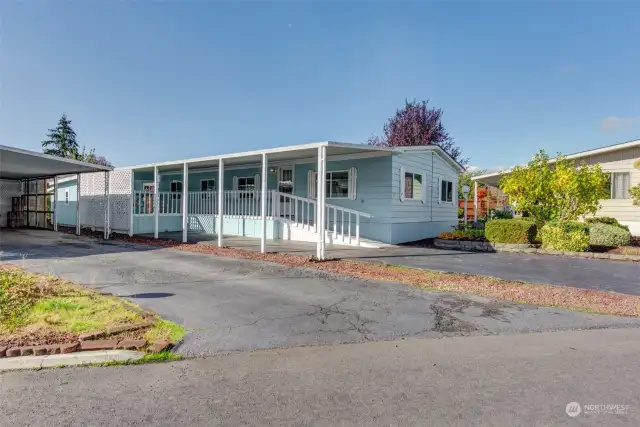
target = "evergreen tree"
x: 61, y: 141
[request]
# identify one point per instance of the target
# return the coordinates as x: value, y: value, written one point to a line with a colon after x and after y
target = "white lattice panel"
x: 92, y: 200
x: 8, y: 189
x: 120, y: 199
x: 92, y: 203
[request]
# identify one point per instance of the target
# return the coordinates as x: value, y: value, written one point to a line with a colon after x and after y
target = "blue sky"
x: 146, y: 82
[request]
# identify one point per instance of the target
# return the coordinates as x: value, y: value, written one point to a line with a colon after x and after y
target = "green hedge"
x: 510, y: 231
x: 565, y: 236
x: 606, y: 220
x: 608, y: 235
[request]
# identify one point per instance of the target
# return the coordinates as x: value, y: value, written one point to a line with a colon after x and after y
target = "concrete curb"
x: 54, y: 360
x: 480, y: 246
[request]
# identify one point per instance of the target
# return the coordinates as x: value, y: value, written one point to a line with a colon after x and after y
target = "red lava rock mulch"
x: 38, y: 338
x: 519, y: 292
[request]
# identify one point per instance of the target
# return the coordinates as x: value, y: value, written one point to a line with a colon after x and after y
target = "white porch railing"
x: 342, y: 224
x: 296, y: 209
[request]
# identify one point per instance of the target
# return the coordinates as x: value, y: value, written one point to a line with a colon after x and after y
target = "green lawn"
x: 39, y: 306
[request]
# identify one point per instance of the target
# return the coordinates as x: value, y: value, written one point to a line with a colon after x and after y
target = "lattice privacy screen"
x: 92, y: 200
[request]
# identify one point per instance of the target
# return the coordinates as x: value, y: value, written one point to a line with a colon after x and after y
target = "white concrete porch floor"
x: 287, y: 246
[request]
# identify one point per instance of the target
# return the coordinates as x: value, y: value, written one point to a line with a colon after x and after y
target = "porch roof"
x: 306, y: 153
x: 274, y: 155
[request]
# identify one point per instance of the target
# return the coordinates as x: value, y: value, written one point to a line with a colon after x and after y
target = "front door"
x: 285, y: 185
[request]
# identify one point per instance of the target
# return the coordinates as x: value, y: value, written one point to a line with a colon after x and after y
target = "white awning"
x: 16, y: 163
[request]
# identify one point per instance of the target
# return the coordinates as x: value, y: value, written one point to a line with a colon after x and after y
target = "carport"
x: 29, y: 187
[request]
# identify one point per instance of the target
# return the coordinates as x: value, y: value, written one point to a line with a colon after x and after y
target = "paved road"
x: 623, y: 277
x: 232, y: 305
x: 508, y: 380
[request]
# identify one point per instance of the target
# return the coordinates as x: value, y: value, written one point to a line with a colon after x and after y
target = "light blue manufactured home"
x: 67, y: 200
x: 370, y: 195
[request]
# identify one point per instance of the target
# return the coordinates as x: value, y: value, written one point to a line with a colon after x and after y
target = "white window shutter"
x: 454, y: 191
x: 311, y: 185
x: 402, y: 183
x: 256, y: 180
x: 424, y: 189
x: 439, y: 190
x: 353, y: 175
x: 235, y: 183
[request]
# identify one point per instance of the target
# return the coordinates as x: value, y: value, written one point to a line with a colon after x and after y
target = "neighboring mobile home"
x: 619, y: 161
x: 371, y: 194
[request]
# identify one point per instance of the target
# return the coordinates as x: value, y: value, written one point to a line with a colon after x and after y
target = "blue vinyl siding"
x: 417, y: 219
x: 67, y: 212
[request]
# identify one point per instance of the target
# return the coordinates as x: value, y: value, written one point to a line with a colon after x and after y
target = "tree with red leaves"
x: 418, y: 124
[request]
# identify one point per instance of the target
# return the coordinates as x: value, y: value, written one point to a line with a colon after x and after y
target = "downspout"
x: 431, y: 192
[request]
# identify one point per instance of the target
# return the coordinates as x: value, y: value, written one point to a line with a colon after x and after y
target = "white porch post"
x: 78, y: 204
x: 324, y: 199
x: 475, y: 201
x: 185, y: 202
x: 220, y: 202
x: 263, y: 205
x: 320, y: 203
x: 156, y: 201
x: 107, y: 206
x: 55, y: 203
x: 132, y: 205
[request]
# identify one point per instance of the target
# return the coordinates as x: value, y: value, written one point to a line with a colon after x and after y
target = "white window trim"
x: 293, y: 177
x: 347, y: 197
x: 612, y: 185
x: 66, y: 196
x: 238, y: 178
x: 207, y: 180
x: 453, y: 191
x: 178, y: 193
x: 414, y: 199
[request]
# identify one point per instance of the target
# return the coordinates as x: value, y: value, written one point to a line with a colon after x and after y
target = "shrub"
x: 499, y: 214
x: 608, y: 235
x: 565, y: 236
x: 606, y: 220
x: 510, y: 231
x: 469, y: 234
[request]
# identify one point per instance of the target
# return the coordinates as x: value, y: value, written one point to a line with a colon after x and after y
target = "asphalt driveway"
x: 606, y: 275
x: 231, y: 305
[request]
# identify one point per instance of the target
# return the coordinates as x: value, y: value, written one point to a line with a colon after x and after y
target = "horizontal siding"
x: 619, y: 161
x: 622, y: 210
x: 373, y: 188
x: 433, y: 167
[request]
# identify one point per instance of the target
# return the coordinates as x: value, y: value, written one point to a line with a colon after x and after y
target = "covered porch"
x: 269, y: 195
x: 280, y: 246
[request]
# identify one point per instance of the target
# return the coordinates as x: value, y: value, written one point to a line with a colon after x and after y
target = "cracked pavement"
x: 233, y: 305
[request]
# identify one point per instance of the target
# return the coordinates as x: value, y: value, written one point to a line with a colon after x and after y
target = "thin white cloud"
x: 614, y: 123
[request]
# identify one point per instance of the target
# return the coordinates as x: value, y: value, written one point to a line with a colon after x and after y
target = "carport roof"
x: 16, y: 163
